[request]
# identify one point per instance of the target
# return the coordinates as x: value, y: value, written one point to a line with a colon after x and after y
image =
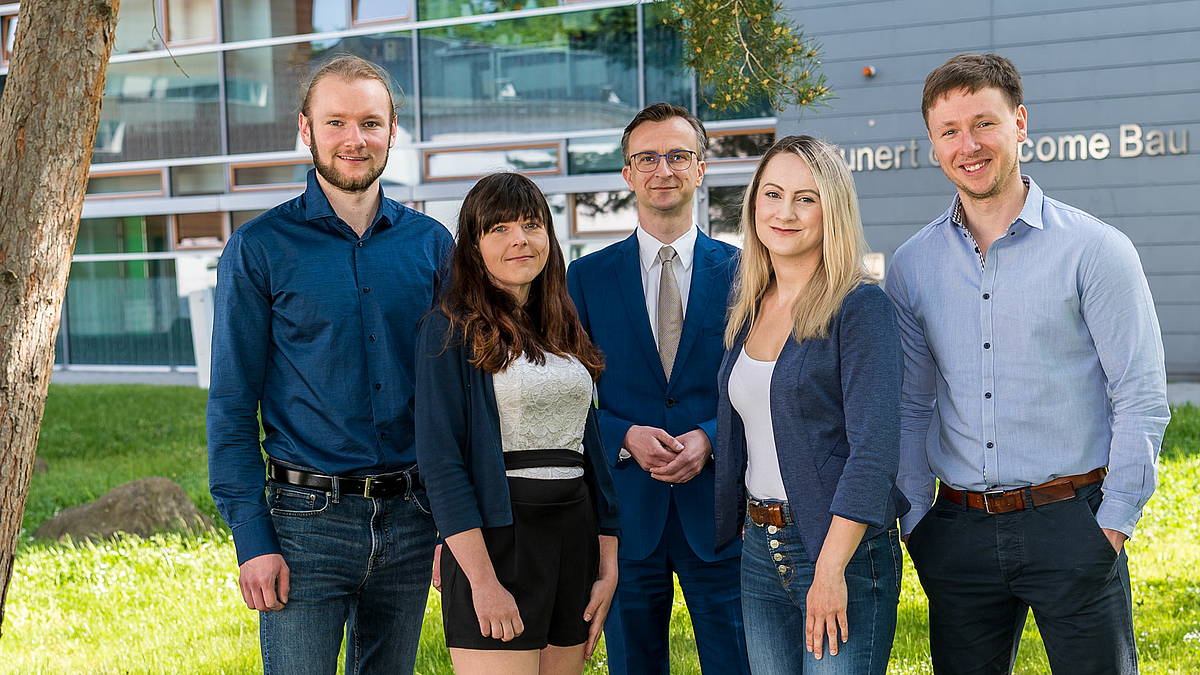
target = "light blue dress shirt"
x: 1043, y: 361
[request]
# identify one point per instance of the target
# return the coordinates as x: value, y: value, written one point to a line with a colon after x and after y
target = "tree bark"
x: 48, y: 118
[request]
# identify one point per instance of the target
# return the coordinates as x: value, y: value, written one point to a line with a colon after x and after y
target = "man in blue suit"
x: 655, y: 305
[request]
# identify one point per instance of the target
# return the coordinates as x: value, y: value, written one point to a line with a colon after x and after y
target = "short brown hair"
x: 350, y: 67
x: 661, y: 112
x: 972, y: 72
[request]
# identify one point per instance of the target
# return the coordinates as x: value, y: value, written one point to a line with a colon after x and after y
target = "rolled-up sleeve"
x: 1119, y: 312
x: 918, y: 393
x: 870, y: 376
x: 240, y: 344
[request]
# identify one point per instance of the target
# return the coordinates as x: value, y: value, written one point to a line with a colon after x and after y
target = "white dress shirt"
x: 648, y: 247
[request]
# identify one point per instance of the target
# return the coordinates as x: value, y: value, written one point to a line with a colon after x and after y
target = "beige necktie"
x: 670, y: 311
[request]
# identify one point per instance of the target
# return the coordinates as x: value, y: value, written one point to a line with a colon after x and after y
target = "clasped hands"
x: 670, y: 459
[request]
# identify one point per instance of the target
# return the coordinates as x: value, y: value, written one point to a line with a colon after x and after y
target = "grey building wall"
x: 1088, y: 68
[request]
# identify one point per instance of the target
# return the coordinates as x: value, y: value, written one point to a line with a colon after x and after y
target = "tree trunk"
x: 48, y: 118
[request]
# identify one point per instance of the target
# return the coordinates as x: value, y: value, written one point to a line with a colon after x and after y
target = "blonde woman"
x: 808, y: 473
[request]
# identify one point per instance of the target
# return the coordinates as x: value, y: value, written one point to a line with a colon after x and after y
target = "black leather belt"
x: 379, y: 486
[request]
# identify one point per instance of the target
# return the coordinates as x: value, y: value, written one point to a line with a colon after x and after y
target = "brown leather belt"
x: 1006, y: 501
x: 776, y: 514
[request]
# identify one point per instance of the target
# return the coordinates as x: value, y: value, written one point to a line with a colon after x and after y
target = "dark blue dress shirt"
x: 318, y: 327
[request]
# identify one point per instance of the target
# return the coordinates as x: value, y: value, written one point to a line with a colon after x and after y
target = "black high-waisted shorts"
x: 548, y: 559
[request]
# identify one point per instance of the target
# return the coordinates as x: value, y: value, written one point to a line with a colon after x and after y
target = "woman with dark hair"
x: 508, y: 447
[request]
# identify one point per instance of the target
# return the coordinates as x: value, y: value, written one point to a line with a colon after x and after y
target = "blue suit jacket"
x: 607, y: 289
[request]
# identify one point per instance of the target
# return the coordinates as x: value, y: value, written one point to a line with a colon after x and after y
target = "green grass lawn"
x: 170, y: 604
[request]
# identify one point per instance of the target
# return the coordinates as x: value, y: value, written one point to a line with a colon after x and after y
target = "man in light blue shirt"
x: 1028, y: 327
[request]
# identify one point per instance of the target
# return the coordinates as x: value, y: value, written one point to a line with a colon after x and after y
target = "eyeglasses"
x: 677, y: 160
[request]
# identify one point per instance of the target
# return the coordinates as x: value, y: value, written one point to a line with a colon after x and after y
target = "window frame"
x: 739, y: 132
x: 353, y: 7
x: 7, y: 21
x: 576, y: 234
x: 234, y: 166
x: 161, y: 192
x: 560, y: 160
x: 165, y: 13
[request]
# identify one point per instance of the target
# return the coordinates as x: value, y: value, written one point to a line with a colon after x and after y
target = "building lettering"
x: 1132, y: 141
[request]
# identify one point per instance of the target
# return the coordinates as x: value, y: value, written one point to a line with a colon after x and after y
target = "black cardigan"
x: 459, y: 451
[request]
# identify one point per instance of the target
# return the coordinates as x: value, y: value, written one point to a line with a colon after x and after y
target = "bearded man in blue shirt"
x: 317, y: 305
x: 1028, y: 326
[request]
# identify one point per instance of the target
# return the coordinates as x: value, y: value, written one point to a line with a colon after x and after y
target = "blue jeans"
x: 776, y: 576
x: 358, y: 567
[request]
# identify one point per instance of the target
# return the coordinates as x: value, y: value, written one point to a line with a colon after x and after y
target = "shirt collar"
x: 317, y: 206
x: 648, y: 247
x: 1031, y: 212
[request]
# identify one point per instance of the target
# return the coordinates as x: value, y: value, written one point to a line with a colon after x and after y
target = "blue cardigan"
x: 835, y: 411
x: 459, y: 451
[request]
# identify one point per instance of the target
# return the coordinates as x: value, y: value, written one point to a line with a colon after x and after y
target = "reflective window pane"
x: 756, y: 108
x: 136, y: 183
x: 253, y: 19
x: 8, y: 25
x: 152, y: 110
x: 240, y: 218
x: 128, y: 313
x: 739, y: 145
x: 191, y: 20
x: 135, y: 28
x: 258, y: 175
x: 725, y: 213
x: 594, y: 155
x: 471, y: 163
x: 199, y: 230
x: 666, y: 78
x: 366, y: 11
x: 263, y: 88
x: 445, y: 211
x: 605, y: 212
x: 203, y: 179
x: 127, y: 234
x: 443, y: 9
x: 533, y: 75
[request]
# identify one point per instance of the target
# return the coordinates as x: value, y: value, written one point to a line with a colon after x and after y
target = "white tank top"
x: 750, y: 394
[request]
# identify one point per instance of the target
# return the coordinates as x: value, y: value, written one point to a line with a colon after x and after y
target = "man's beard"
x: 342, y: 182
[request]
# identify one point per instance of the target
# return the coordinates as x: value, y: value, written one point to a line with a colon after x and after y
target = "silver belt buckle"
x: 987, y: 506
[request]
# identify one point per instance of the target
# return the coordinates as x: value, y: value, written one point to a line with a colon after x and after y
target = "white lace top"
x: 541, y: 408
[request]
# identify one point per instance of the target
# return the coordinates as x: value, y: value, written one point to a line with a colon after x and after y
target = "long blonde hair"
x: 843, y: 245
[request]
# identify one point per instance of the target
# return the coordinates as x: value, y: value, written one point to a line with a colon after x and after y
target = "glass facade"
x: 193, y: 144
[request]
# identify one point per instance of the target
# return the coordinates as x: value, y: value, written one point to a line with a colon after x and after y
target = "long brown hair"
x: 493, y: 323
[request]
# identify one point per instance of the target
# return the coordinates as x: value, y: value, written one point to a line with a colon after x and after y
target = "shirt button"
x: 987, y: 345
x: 378, y: 386
x: 366, y: 289
x: 986, y: 296
x: 360, y: 244
x: 991, y: 444
x: 987, y: 395
x: 1012, y: 234
x: 372, y: 338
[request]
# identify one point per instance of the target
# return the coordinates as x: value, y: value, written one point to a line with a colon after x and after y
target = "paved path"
x: 1179, y: 393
